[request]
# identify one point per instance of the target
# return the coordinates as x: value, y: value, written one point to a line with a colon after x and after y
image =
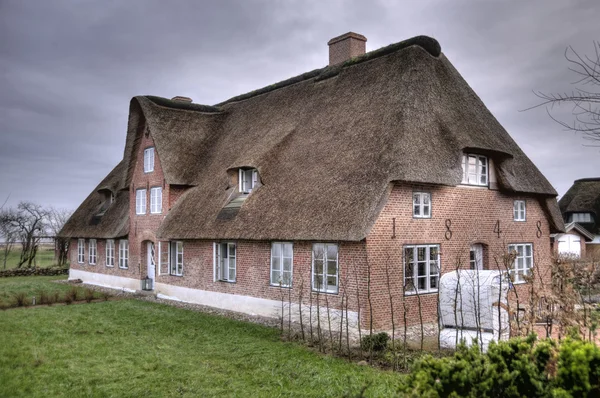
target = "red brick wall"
x: 100, y: 266
x: 473, y: 213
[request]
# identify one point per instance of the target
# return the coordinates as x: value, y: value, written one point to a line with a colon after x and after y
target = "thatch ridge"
x: 429, y: 44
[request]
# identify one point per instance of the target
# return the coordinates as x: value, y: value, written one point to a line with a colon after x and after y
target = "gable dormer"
x: 247, y: 180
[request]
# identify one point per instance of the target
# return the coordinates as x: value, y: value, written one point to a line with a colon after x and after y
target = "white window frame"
x: 247, y: 185
x: 582, y: 217
x: 81, y: 251
x: 281, y: 260
x: 520, y: 262
x: 155, y: 200
x: 324, y: 274
x: 475, y: 172
x: 92, y: 251
x: 124, y: 254
x: 520, y: 210
x: 110, y: 252
x: 149, y: 160
x: 175, y: 258
x: 219, y: 265
x: 428, y: 261
x: 140, y: 201
x: 476, y: 257
x: 421, y: 205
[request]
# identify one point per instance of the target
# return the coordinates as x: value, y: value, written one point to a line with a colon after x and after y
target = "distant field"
x: 44, y: 257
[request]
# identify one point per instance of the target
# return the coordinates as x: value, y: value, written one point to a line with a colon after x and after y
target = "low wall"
x: 33, y: 272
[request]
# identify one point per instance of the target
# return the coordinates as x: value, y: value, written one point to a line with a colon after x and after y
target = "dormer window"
x: 149, y: 160
x: 475, y: 169
x: 248, y: 179
x: 581, y: 217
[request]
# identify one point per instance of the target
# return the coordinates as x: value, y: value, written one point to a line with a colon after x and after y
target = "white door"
x: 151, y: 263
x: 476, y: 256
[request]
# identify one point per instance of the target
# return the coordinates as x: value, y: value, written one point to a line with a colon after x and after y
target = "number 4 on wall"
x: 497, y: 229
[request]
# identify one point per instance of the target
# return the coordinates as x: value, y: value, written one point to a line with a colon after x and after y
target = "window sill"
x: 325, y: 291
x: 412, y: 293
x: 282, y: 286
x: 179, y: 276
x: 123, y: 267
x: 160, y: 212
x: 422, y: 217
x: 520, y: 220
x: 226, y: 281
x: 472, y: 186
x: 110, y: 266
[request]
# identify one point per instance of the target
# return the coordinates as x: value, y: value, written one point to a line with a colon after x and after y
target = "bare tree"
x: 8, y: 233
x: 56, y: 220
x: 584, y: 98
x: 30, y: 220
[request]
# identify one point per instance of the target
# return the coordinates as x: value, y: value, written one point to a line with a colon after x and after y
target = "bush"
x: 21, y: 299
x: 72, y: 294
x: 88, y: 294
x: 105, y: 296
x: 68, y: 299
x: 43, y: 297
x: 376, y: 342
x: 521, y: 367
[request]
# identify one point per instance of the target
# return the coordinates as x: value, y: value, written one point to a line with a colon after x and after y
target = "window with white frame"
x: 225, y: 258
x: 476, y: 257
x: 110, y: 253
x: 156, y: 200
x: 123, y: 253
x: 581, y: 217
x: 140, y: 201
x: 523, y: 263
x: 148, y: 160
x: 248, y: 178
x: 475, y: 170
x: 176, y: 258
x: 81, y: 251
x: 325, y: 270
x: 93, y: 251
x: 421, y: 205
x: 282, y: 258
x: 421, y: 268
x: 519, y: 210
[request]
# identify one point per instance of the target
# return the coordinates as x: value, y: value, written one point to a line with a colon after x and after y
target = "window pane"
x: 276, y: 263
x: 433, y: 253
x: 275, y: 275
x: 287, y: 278
x: 433, y: 282
x: 332, y: 252
x: 232, y: 250
x: 318, y: 282
x: 318, y: 250
x: 276, y: 250
x: 287, y: 264
x: 231, y: 269
x: 528, y: 250
x: 288, y: 250
x: 417, y: 210
x: 426, y: 212
x: 331, y: 282
x: 408, y: 255
x: 433, y: 268
x: 422, y: 269
x: 318, y: 266
x: 422, y: 282
x: 416, y: 198
x: 426, y: 198
x: 331, y: 267
x: 421, y: 253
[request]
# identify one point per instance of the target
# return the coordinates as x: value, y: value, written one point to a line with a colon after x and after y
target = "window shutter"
x: 215, y: 267
x: 254, y: 178
x: 163, y: 258
x: 240, y: 179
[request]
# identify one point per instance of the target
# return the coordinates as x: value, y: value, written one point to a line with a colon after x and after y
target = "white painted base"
x: 104, y: 280
x: 254, y: 306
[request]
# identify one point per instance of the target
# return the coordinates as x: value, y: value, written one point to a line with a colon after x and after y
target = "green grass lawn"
x: 30, y: 285
x: 44, y: 257
x: 132, y: 348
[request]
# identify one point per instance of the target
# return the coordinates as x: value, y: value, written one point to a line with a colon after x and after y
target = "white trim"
x: 415, y: 272
x: 155, y: 200
x: 105, y: 280
x: 124, y: 253
x: 281, y: 258
x: 514, y: 268
x: 421, y: 204
x: 214, y: 261
x: 520, y: 210
x: 480, y: 163
x: 325, y: 273
x: 80, y: 251
x: 140, y: 201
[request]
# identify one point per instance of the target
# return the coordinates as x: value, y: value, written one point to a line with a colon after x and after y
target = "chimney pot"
x: 346, y: 46
x: 181, y: 99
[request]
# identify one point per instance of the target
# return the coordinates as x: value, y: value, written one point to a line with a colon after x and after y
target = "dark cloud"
x: 69, y: 68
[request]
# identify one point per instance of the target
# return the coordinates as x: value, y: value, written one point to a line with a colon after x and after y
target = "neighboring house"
x: 580, y: 208
x: 380, y: 164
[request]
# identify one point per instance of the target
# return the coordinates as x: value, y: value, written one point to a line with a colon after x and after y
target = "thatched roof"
x: 97, y: 218
x: 327, y: 145
x: 583, y: 197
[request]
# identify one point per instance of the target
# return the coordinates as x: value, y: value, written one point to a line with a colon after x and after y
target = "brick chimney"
x: 346, y: 46
x: 181, y: 99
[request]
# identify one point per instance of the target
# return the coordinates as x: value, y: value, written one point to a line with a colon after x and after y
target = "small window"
x: 523, y: 263
x: 140, y: 201
x: 225, y: 265
x: 421, y: 269
x: 581, y: 217
x: 156, y: 200
x: 475, y: 170
x: 81, y: 251
x: 282, y: 258
x: 93, y: 251
x: 325, y: 270
x: 421, y: 205
x: 112, y: 197
x: 519, y: 210
x: 248, y: 179
x: 110, y: 253
x: 148, y: 160
x: 476, y: 257
x: 124, y: 254
x: 176, y: 258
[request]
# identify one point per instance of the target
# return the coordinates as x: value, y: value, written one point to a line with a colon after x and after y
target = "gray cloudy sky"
x: 69, y: 68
